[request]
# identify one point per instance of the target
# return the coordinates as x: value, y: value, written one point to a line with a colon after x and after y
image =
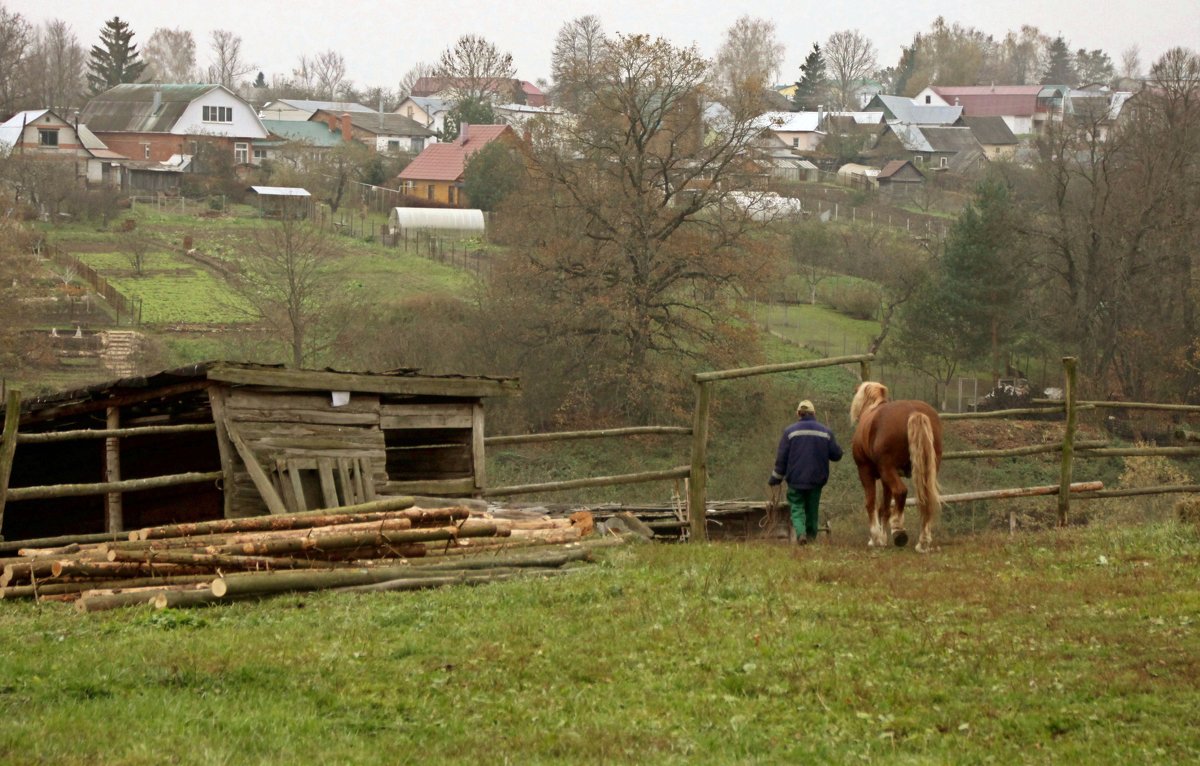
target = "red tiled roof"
x: 446, y: 162
x: 992, y: 100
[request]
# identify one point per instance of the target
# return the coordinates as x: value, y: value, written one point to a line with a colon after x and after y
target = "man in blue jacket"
x: 803, y: 461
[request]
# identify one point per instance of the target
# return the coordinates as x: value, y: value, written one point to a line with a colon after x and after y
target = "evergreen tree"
x: 811, y: 87
x: 1061, y: 69
x: 260, y: 81
x: 116, y: 60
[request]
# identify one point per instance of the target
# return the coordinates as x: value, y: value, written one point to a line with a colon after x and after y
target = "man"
x: 803, y: 460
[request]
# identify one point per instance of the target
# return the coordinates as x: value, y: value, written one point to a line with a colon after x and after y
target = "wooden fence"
x: 129, y: 309
x: 695, y: 473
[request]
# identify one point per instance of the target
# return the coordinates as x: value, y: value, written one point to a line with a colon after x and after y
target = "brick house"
x: 155, y: 122
x: 42, y: 134
x: 437, y: 173
x: 384, y: 132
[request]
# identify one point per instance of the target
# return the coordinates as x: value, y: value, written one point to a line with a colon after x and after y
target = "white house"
x: 300, y: 109
x: 41, y: 133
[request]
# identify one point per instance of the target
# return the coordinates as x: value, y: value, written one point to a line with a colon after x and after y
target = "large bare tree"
x: 476, y: 71
x: 16, y: 38
x: 287, y: 282
x: 750, y: 57
x: 56, y: 66
x: 577, y: 49
x: 849, y: 57
x: 228, y: 65
x: 418, y: 71
x: 630, y: 236
x: 170, y: 55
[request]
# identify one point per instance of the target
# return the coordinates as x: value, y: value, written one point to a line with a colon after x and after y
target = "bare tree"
x: 476, y: 71
x: 577, y: 49
x: 328, y: 73
x: 750, y: 57
x: 409, y: 80
x: 16, y: 37
x: 56, y: 66
x: 286, y: 280
x: 170, y: 55
x: 1131, y: 63
x: 227, y: 67
x: 849, y: 57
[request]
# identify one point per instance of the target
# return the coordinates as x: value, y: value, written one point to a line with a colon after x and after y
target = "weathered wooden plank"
x: 216, y: 402
x: 407, y: 416
x: 745, y: 372
x: 328, y: 487
x: 478, y: 453
x: 110, y: 433
x: 113, y: 507
x: 93, y: 405
x: 383, y: 384
x: 318, y: 417
x: 245, y: 399
x: 596, y: 434
x: 597, y: 481
x: 431, y: 487
x: 8, y: 447
x: 261, y: 482
x: 126, y: 485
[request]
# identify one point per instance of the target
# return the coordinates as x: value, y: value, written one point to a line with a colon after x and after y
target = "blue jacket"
x: 804, y: 454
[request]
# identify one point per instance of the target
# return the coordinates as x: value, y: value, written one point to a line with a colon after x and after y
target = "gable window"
x: 929, y: 99
x: 241, y: 153
x: 48, y: 138
x: 146, y: 150
x: 796, y: 142
x: 944, y: 162
x: 218, y: 113
x: 919, y: 159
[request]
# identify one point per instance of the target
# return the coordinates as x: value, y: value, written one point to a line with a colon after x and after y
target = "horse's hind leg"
x: 894, y: 487
x: 925, y: 541
x: 868, y: 483
x: 882, y: 513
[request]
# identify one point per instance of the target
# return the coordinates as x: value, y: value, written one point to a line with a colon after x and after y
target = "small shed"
x: 403, y: 221
x: 899, y: 175
x: 229, y: 440
x: 281, y: 201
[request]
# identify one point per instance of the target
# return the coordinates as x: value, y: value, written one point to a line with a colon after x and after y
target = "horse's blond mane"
x: 869, y: 396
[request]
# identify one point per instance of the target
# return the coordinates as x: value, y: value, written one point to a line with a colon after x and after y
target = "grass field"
x: 1077, y: 646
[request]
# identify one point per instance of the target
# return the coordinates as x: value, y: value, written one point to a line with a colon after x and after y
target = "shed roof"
x: 280, y: 191
x: 308, y: 105
x: 313, y: 133
x: 402, y: 381
x: 992, y: 130
x: 901, y: 109
x: 895, y: 166
x: 377, y: 123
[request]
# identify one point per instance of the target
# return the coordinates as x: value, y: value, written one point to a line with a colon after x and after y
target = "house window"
x: 48, y: 138
x: 241, y: 153
x: 146, y: 150
x: 218, y: 113
x: 393, y: 145
x: 450, y: 195
x: 929, y: 99
x: 260, y: 154
x: 919, y: 159
x: 944, y: 162
x: 429, y: 191
x: 796, y: 142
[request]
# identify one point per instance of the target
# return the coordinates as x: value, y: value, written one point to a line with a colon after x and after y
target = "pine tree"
x: 1061, y: 69
x: 116, y: 60
x: 811, y: 87
x: 260, y: 81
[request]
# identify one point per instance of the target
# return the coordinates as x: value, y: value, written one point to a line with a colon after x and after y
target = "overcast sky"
x: 382, y: 40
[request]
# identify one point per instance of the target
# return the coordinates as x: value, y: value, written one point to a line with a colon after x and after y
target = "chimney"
x: 331, y: 121
x: 157, y: 98
x: 346, y: 132
x: 462, y: 133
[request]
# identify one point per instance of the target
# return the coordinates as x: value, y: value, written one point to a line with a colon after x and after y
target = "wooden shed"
x: 223, y: 439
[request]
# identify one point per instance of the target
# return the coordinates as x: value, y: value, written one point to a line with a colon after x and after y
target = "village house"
x: 299, y: 109
x: 437, y: 173
x: 296, y: 141
x: 427, y: 111
x: 1025, y: 108
x: 993, y: 135
x: 156, y: 123
x: 501, y: 90
x: 383, y: 132
x: 899, y: 177
x: 43, y: 134
x: 804, y: 131
x: 930, y: 147
x: 908, y: 111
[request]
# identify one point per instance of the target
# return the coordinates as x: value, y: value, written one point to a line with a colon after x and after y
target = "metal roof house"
x: 228, y: 440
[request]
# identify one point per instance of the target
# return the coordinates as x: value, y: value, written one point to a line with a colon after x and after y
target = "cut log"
x: 171, y: 599
x: 393, y: 507
x: 261, y: 583
x: 210, y: 561
x: 79, y: 586
x: 338, y: 539
x: 110, y: 570
x: 100, y: 600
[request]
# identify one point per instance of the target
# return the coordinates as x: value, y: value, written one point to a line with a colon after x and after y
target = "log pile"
x: 373, y: 546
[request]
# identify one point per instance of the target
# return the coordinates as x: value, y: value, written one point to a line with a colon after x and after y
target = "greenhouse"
x: 406, y: 220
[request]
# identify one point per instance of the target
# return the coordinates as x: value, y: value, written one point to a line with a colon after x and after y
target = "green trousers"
x: 804, y: 503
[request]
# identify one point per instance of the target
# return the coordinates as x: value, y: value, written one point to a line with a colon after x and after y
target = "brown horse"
x: 893, y: 440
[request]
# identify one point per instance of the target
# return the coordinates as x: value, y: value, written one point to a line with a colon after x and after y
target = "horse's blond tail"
x: 923, y: 456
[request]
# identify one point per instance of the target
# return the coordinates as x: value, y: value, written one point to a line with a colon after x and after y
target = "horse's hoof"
x: 900, y: 538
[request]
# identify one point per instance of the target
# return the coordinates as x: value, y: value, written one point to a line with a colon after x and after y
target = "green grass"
x: 1060, y: 647
x: 818, y: 327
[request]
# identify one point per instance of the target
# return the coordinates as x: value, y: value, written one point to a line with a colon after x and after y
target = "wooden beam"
x: 128, y: 485
x: 767, y: 369
x: 111, y: 433
x: 1001, y: 494
x: 113, y: 515
x: 1068, y: 452
x: 92, y: 405
x: 257, y: 475
x: 8, y: 447
x: 596, y: 434
x: 216, y: 401
x: 697, y: 495
x: 599, y: 481
x: 316, y: 380
x: 478, y: 453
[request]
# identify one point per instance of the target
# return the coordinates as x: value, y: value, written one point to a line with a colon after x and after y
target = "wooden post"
x: 113, y: 513
x: 864, y: 370
x: 1064, y: 495
x: 698, y: 481
x: 8, y: 447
